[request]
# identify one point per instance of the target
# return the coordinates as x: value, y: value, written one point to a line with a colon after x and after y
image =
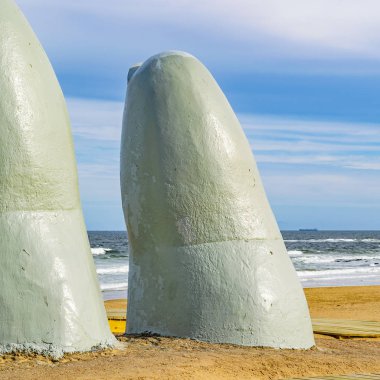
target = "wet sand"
x: 170, y: 358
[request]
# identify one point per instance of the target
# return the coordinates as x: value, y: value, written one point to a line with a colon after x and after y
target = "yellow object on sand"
x: 117, y: 326
x: 339, y: 328
x: 116, y: 313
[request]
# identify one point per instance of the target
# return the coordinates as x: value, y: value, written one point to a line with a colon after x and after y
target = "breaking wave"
x: 100, y: 251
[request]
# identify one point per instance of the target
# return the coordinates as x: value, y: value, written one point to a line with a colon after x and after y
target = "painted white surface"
x: 50, y: 300
x: 207, y: 260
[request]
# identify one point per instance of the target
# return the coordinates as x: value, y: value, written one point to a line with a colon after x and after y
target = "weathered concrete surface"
x: 49, y: 295
x: 133, y: 69
x: 207, y: 260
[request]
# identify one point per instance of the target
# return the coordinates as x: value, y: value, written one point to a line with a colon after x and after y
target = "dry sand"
x: 351, y: 302
x: 168, y: 358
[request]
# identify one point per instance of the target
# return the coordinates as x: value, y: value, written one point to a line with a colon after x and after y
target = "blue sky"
x: 302, y: 76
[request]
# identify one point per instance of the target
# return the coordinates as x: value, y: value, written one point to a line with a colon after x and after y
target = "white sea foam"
x: 114, y: 286
x: 341, y: 240
x: 320, y: 260
x: 316, y: 259
x: 363, y: 279
x: 332, y: 240
x: 100, y: 251
x: 343, y: 259
x: 323, y: 241
x: 295, y: 253
x: 113, y: 270
x: 349, y: 258
x: 351, y: 272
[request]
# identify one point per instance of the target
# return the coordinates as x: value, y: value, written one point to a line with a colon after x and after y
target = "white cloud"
x: 307, y: 142
x: 316, y: 175
x: 96, y: 126
x: 318, y: 188
x: 274, y: 140
x: 364, y: 165
x: 322, y: 128
x: 96, y: 119
x: 242, y: 32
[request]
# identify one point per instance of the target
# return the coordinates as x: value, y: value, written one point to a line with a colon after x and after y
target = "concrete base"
x: 234, y: 292
x: 50, y: 300
x: 207, y: 260
x: 48, y: 285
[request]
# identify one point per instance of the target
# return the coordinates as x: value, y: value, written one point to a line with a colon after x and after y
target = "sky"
x: 302, y: 76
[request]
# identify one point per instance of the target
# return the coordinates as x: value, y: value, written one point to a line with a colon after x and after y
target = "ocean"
x: 321, y: 258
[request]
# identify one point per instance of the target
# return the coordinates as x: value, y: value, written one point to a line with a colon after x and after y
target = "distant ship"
x: 308, y: 229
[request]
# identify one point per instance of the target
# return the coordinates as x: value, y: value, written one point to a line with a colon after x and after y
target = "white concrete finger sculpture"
x: 50, y: 300
x: 207, y: 260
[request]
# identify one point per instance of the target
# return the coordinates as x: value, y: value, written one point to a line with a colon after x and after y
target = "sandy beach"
x: 206, y: 166
x: 171, y: 358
